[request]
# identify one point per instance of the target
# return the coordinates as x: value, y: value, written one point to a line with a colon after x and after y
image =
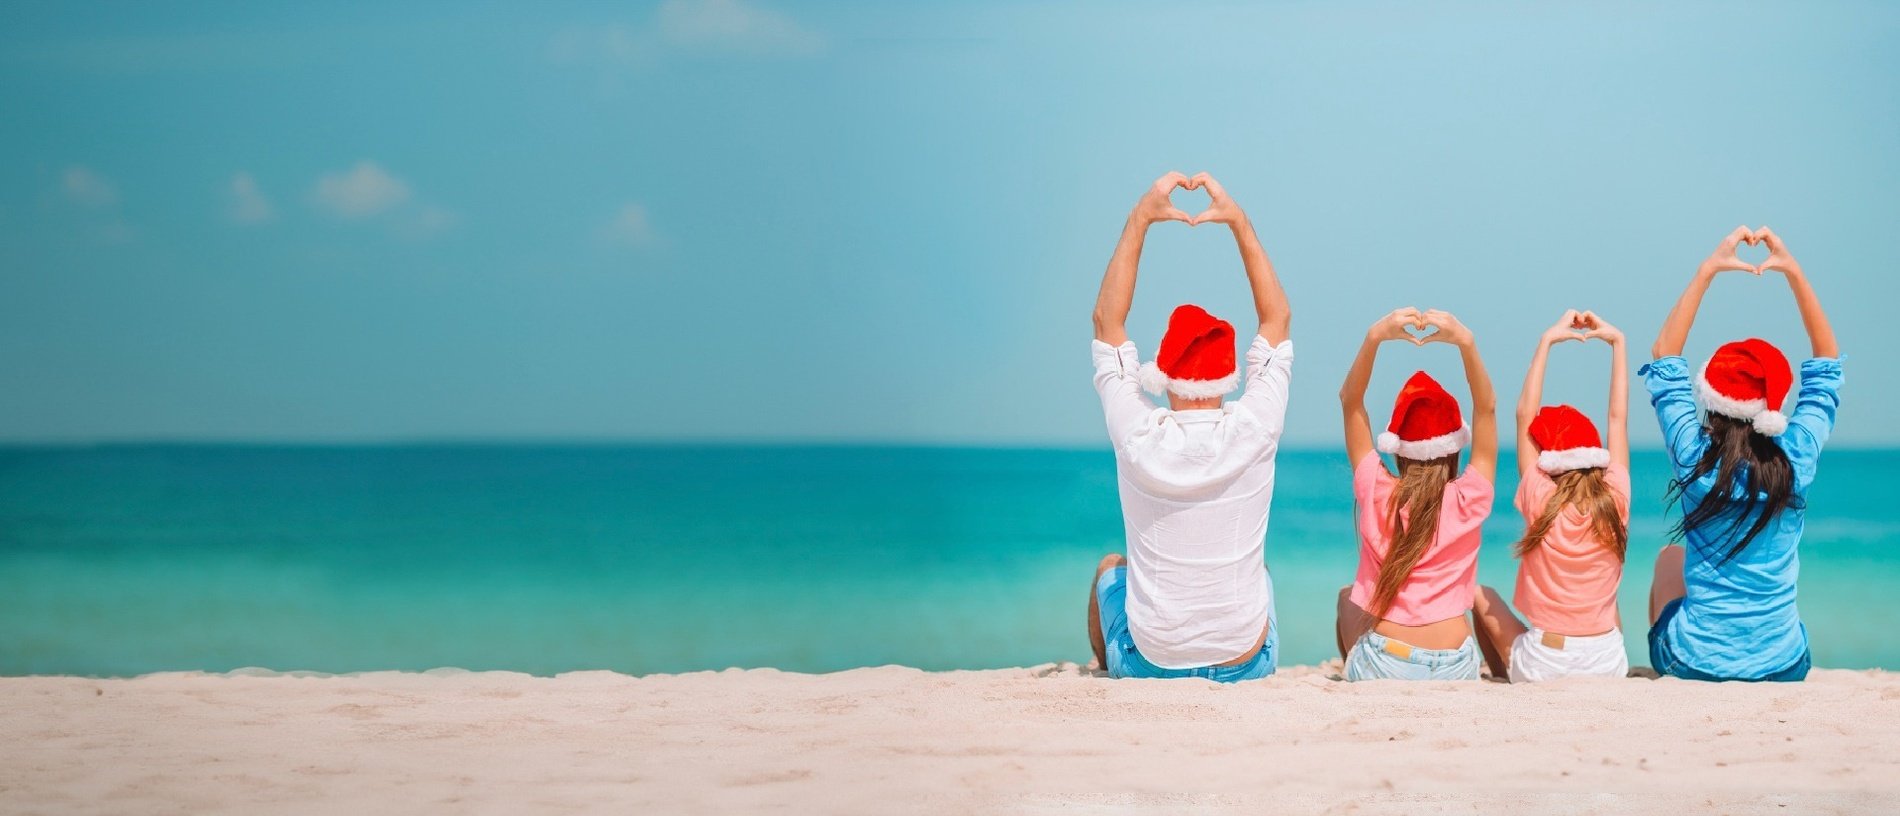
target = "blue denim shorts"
x: 1665, y: 660
x: 1377, y: 657
x: 1124, y: 660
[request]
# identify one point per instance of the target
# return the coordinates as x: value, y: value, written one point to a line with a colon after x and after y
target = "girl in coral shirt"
x: 1575, y: 498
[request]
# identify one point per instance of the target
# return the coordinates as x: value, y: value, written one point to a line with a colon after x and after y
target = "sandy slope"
x: 1049, y: 739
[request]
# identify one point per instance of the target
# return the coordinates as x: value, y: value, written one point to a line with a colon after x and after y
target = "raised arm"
x: 1484, y: 400
x: 1352, y: 394
x: 1531, y: 398
x: 1820, y: 332
x: 1675, y: 327
x: 1269, y: 299
x: 1118, y: 283
x: 1618, y: 432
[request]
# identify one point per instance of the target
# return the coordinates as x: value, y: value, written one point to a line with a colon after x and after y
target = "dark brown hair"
x: 1585, y: 489
x: 1744, y: 462
x: 1420, y: 494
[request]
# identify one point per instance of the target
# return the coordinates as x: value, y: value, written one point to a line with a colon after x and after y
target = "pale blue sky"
x: 884, y: 222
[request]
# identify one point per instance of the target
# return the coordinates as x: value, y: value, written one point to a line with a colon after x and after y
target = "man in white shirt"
x: 1192, y: 598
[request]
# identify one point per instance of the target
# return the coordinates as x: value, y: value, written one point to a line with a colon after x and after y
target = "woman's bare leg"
x: 1096, y: 640
x: 1666, y: 585
x: 1352, y: 622
x: 1497, y: 630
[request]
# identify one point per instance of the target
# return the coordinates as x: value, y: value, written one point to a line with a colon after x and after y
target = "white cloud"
x: 688, y: 27
x: 733, y: 25
x: 248, y: 203
x: 630, y: 227
x: 427, y: 222
x: 363, y: 190
x: 84, y: 187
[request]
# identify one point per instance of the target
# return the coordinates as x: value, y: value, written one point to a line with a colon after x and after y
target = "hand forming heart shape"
x: 1159, y: 204
x: 1419, y: 327
x: 1725, y: 258
x: 1754, y: 239
x: 1580, y: 326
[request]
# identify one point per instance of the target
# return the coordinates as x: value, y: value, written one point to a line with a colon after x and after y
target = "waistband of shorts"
x: 1573, y: 642
x: 1401, y: 650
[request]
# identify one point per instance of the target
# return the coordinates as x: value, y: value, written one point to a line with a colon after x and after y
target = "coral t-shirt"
x: 1567, y: 584
x: 1443, y: 582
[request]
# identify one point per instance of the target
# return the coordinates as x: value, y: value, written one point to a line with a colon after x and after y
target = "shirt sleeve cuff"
x: 1122, y: 359
x: 1668, y: 368
x: 1821, y: 365
x: 1261, y: 352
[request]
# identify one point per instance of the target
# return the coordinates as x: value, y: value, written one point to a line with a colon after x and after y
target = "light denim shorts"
x: 1377, y: 657
x: 1124, y: 660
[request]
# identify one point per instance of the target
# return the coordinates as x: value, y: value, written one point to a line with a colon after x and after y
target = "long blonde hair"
x: 1411, y: 521
x: 1586, y: 490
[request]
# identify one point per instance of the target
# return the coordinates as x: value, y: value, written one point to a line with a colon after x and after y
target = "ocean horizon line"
x: 637, y: 443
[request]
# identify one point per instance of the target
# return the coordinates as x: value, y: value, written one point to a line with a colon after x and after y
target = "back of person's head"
x: 1571, y: 452
x: 1741, y: 389
x: 1425, y: 435
x: 1196, y: 358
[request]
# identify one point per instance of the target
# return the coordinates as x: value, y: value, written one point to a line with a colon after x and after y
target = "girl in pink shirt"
x: 1404, y: 615
x: 1575, y: 498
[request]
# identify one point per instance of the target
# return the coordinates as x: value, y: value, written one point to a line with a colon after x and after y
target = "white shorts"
x: 1595, y: 656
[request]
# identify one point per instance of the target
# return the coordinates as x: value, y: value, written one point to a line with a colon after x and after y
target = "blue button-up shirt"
x: 1738, y: 618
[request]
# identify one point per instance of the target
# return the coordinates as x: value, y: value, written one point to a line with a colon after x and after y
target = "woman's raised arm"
x: 1675, y: 327
x: 1820, y: 331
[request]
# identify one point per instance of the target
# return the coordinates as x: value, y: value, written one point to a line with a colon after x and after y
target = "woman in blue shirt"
x: 1721, y: 606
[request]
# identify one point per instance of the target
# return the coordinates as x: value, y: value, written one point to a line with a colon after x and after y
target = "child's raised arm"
x: 1820, y: 332
x: 1618, y: 432
x: 1531, y: 398
x: 1675, y: 327
x: 1484, y: 400
x: 1352, y: 394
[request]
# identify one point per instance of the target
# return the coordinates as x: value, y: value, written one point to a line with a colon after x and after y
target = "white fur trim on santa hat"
x: 1154, y: 381
x: 1554, y: 462
x: 1755, y: 410
x: 1424, y: 450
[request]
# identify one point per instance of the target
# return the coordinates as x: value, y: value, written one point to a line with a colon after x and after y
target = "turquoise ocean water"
x: 120, y: 560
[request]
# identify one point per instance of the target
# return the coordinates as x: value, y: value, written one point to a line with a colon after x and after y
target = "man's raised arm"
x: 1118, y: 283
x: 1269, y: 298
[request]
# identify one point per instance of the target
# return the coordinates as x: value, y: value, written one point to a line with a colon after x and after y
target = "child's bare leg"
x: 1352, y: 622
x: 1497, y: 629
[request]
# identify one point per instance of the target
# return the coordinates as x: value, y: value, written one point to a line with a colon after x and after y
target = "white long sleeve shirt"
x: 1195, y: 490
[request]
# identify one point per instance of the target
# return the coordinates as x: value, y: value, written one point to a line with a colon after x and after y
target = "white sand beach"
x: 1041, y: 740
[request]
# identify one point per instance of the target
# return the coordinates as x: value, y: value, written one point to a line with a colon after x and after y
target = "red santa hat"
x: 1747, y: 380
x: 1566, y: 440
x: 1197, y: 356
x: 1426, y: 423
